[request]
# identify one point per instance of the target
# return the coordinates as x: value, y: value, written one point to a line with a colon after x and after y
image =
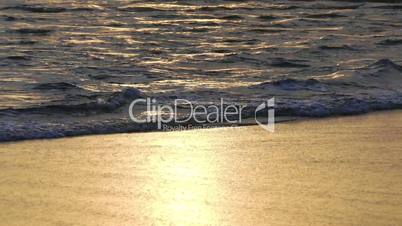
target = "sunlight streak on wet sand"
x: 338, y: 171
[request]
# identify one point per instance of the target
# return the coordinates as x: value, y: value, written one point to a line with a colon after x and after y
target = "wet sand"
x: 338, y: 171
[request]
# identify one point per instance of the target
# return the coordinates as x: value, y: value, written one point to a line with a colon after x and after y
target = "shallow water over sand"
x: 340, y: 171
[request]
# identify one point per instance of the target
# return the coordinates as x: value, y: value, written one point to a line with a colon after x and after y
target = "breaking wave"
x: 377, y: 86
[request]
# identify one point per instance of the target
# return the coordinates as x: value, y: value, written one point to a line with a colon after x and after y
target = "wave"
x: 267, y: 17
x: 283, y: 7
x: 383, y: 74
x: 33, y: 31
x: 45, y: 9
x: 215, y: 8
x: 385, y: 64
x: 388, y: 7
x: 377, y: 86
x: 324, y: 15
x: 142, y: 9
x: 267, y: 30
x: 232, y: 17
x: 36, y: 9
x: 287, y: 63
x: 63, y: 86
x: 336, y: 47
x: 101, y: 102
x: 391, y: 42
x: 335, y: 7
x: 293, y: 85
x: 18, y: 58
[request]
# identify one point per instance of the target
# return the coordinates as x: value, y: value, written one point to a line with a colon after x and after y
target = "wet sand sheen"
x: 339, y: 171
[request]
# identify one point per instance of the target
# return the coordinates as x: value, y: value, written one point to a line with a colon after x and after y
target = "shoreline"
x: 151, y: 128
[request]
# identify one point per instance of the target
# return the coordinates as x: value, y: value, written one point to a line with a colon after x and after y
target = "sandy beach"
x: 337, y: 171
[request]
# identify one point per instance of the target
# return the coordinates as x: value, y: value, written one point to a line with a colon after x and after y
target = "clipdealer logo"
x: 164, y: 114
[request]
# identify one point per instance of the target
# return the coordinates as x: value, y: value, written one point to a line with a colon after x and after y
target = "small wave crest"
x: 100, y: 103
x: 373, y: 87
x: 33, y: 31
x: 391, y: 42
x: 47, y: 9
x: 56, y: 86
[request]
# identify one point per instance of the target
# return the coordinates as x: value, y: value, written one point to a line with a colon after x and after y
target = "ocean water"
x: 72, y: 67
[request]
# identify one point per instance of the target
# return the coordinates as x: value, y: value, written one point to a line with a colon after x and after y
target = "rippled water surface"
x: 317, y: 58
